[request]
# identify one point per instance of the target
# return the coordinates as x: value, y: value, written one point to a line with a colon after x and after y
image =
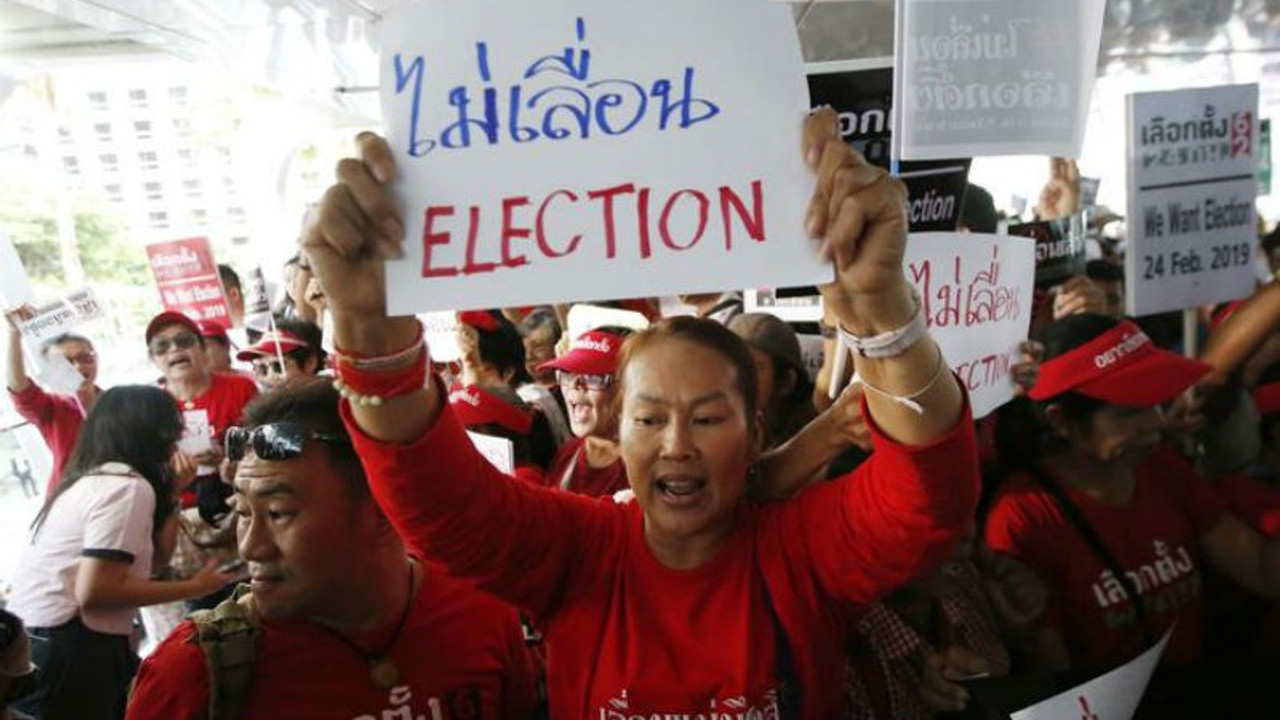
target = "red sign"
x: 187, y: 277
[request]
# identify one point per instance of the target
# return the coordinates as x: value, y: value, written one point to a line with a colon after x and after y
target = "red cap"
x: 475, y: 406
x: 1120, y: 366
x: 280, y: 341
x: 213, y: 329
x: 1267, y: 398
x: 593, y: 353
x: 167, y: 318
x: 480, y: 320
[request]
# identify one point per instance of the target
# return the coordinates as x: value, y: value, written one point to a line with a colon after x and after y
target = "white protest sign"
x: 15, y: 286
x: 61, y: 316
x: 500, y: 452
x: 994, y: 77
x: 575, y: 150
x: 1192, y: 187
x: 1113, y: 696
x: 584, y: 318
x: 197, y: 436
x: 440, y: 329
x: 57, y: 374
x: 976, y: 294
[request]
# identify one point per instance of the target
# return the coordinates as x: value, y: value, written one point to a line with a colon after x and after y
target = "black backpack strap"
x: 1076, y: 517
x: 784, y: 665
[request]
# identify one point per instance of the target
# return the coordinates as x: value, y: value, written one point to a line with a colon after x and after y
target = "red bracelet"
x: 393, y: 361
x: 371, y: 387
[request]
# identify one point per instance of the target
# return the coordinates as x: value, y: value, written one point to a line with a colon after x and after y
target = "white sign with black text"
x: 1192, y: 186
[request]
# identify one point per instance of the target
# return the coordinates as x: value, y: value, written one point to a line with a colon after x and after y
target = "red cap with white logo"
x: 593, y: 353
x: 1120, y: 366
x: 475, y: 406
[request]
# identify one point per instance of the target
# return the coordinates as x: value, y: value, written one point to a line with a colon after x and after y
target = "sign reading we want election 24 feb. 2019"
x: 577, y: 150
x: 1192, y: 187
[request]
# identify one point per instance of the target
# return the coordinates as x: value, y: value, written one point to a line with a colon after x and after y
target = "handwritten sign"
x: 861, y: 92
x: 976, y: 292
x: 61, y: 316
x: 1113, y: 696
x: 500, y: 452
x: 257, y: 305
x: 1192, y: 186
x: 576, y: 150
x: 994, y: 77
x: 187, y: 277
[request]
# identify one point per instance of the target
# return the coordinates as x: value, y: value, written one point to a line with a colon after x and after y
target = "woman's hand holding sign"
x: 858, y: 212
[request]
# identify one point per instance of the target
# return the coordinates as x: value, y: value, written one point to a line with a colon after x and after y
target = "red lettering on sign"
x: 754, y: 224
x: 610, y: 235
x: 430, y: 239
x: 473, y: 233
x: 510, y: 232
x: 541, y: 226
x: 664, y: 223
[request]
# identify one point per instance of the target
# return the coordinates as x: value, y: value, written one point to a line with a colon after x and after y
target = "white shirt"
x: 107, y: 514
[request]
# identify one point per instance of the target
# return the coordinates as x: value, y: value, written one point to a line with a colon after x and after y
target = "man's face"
x: 540, y: 348
x: 81, y: 356
x: 178, y: 353
x: 271, y: 373
x: 289, y: 512
x: 218, y: 355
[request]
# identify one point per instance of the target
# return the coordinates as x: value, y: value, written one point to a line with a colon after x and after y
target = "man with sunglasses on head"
x: 58, y: 417
x: 349, y: 623
x: 210, y: 402
x: 590, y: 463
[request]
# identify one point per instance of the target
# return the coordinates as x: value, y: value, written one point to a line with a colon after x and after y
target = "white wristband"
x: 892, y: 343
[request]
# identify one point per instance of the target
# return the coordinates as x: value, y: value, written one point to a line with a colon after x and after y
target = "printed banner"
x: 1192, y: 186
x: 187, y: 277
x: 257, y: 302
x: 572, y: 150
x: 994, y: 77
x: 1060, y: 248
x: 61, y: 316
x: 862, y: 93
x: 1113, y: 696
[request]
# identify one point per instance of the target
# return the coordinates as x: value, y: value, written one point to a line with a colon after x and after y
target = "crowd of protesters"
x: 690, y: 523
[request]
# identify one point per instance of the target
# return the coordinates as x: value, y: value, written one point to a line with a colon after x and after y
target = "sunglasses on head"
x: 181, y: 341
x: 584, y: 382
x: 275, y: 441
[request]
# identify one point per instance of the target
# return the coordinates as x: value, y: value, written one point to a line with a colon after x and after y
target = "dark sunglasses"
x: 275, y: 441
x: 182, y: 341
x: 268, y: 368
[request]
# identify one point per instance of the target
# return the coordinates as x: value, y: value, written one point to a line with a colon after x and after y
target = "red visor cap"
x: 1121, y: 366
x: 593, y: 353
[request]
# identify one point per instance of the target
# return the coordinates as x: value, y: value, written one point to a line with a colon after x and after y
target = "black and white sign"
x: 1192, y: 186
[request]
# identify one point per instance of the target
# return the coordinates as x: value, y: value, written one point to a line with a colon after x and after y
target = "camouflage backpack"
x: 228, y: 635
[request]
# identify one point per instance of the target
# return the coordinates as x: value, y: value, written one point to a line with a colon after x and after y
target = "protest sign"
x: 15, y: 286
x: 1113, y: 696
x: 1192, y: 185
x: 1264, y: 157
x: 994, y: 77
x: 861, y: 92
x: 569, y: 150
x: 56, y: 373
x: 440, y: 330
x: 500, y: 452
x: 58, y: 317
x: 187, y: 277
x: 976, y: 294
x: 257, y: 302
x: 1060, y: 248
x: 802, y: 304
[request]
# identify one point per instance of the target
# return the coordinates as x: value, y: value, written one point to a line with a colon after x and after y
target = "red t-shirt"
x: 1154, y: 537
x: 461, y: 655
x: 223, y: 400
x: 627, y: 636
x: 58, y: 418
x: 584, y: 479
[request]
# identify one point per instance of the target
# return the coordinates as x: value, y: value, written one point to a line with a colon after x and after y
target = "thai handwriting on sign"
x: 1237, y: 130
x: 965, y: 299
x: 936, y: 87
x: 572, y: 107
